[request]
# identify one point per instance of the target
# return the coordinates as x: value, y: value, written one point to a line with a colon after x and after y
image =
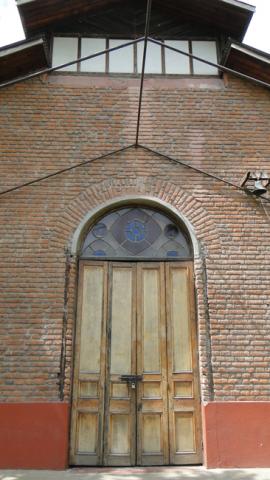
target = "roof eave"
x: 235, y: 3
x: 249, y: 9
x: 247, y: 60
x: 23, y: 57
x: 22, y: 2
x: 34, y: 24
x: 19, y: 46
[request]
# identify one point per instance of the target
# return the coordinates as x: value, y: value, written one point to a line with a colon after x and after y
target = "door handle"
x: 131, y: 380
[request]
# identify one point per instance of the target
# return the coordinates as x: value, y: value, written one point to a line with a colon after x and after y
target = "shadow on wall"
x: 168, y: 473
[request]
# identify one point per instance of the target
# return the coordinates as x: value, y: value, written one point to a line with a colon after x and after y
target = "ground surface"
x: 158, y: 473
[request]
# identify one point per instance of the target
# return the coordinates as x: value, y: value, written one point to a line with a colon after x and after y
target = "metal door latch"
x: 131, y: 380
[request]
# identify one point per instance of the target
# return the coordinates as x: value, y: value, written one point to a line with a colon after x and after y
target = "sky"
x: 258, y: 34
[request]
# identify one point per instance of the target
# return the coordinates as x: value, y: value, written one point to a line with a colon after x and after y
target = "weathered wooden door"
x: 136, y: 320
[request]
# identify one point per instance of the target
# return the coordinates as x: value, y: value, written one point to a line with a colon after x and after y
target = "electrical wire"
x: 63, y: 170
x: 115, y: 152
x: 101, y: 157
x: 118, y: 47
x: 198, y: 170
x: 212, y: 64
x: 68, y: 64
x: 147, y: 25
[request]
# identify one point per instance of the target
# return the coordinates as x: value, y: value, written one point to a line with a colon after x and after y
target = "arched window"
x: 137, y: 233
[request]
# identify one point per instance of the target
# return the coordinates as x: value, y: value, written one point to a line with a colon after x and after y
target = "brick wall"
x: 61, y: 120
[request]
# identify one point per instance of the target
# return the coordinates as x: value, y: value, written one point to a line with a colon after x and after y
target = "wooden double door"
x: 135, y: 320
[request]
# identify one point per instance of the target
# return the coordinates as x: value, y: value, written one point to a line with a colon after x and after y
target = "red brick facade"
x: 220, y: 126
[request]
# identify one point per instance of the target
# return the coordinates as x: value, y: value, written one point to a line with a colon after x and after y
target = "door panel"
x: 89, y: 372
x: 87, y: 432
x: 152, y: 434
x: 180, y: 318
x: 136, y: 319
x: 150, y: 335
x: 184, y: 432
x: 183, y: 391
x: 121, y: 319
x: 119, y: 440
x: 91, y: 323
x: 120, y: 403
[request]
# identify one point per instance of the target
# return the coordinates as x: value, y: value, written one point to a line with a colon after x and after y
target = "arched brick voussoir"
x: 99, y: 198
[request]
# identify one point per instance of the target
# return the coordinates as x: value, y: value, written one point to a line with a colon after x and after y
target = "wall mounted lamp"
x: 256, y: 182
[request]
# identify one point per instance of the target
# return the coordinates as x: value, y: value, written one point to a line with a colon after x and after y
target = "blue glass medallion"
x: 135, y: 231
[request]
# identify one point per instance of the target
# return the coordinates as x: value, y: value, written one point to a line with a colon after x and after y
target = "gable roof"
x: 230, y: 16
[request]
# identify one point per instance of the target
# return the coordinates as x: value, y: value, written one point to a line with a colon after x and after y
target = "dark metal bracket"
x: 131, y: 380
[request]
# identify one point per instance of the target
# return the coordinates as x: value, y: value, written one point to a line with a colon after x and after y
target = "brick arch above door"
x: 100, y: 198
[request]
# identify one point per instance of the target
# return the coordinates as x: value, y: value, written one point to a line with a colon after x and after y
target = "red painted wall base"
x: 236, y: 434
x: 34, y: 435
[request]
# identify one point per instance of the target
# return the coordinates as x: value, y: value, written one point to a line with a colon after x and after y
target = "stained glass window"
x: 136, y: 233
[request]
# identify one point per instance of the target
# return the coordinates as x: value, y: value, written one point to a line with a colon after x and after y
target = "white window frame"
x: 188, y: 61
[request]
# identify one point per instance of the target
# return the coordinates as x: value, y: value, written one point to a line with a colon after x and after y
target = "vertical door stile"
x: 164, y: 370
x: 169, y: 364
x: 196, y: 373
x: 139, y: 366
x: 134, y: 369
x: 103, y: 363
x: 107, y: 369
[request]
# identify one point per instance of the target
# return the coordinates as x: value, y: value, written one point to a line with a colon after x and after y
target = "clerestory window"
x: 128, y: 60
